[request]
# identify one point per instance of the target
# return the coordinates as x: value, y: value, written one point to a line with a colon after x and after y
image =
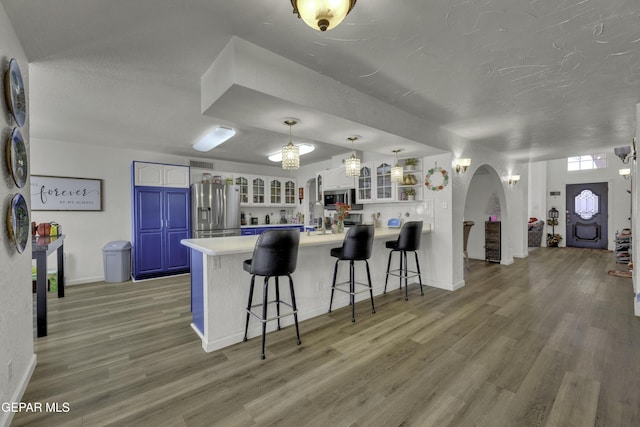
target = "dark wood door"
x: 587, y: 215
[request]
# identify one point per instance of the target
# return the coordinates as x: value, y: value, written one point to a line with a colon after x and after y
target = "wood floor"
x: 550, y: 340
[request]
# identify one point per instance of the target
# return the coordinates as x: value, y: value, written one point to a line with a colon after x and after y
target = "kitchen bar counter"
x: 220, y: 287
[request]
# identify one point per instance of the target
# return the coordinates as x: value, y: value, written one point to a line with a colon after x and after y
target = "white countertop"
x: 270, y: 225
x: 246, y: 244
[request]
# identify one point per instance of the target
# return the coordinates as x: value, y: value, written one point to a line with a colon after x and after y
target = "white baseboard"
x: 6, y: 417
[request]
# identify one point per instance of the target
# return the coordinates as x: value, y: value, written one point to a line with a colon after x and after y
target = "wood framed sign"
x: 57, y: 193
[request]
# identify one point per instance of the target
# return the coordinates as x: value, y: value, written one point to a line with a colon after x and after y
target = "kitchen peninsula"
x: 220, y: 287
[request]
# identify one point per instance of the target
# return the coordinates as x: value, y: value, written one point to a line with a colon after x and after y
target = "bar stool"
x: 275, y: 255
x: 356, y: 246
x: 408, y: 241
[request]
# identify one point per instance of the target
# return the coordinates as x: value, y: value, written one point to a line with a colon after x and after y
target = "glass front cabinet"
x: 374, y: 183
x: 266, y: 191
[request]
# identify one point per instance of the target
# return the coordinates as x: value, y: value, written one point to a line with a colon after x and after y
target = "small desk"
x: 41, y: 247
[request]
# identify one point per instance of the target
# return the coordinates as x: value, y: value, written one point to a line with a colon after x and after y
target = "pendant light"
x: 322, y: 15
x: 290, y: 152
x: 352, y: 164
x: 397, y: 174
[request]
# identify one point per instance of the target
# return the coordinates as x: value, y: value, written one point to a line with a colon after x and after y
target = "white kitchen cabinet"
x: 290, y: 188
x: 335, y: 179
x: 320, y: 187
x: 374, y: 183
x: 160, y: 175
x: 258, y: 190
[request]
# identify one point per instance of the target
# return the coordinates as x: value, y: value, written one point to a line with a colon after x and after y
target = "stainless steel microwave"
x: 348, y: 197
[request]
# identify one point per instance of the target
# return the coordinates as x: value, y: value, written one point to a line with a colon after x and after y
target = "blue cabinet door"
x: 149, y: 232
x: 177, y: 228
x: 161, y: 221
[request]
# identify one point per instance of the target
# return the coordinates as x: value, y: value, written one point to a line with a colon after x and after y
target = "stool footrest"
x: 366, y: 285
x: 400, y: 273
x: 259, y: 317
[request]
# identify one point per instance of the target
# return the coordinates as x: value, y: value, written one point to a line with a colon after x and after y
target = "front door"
x: 587, y: 215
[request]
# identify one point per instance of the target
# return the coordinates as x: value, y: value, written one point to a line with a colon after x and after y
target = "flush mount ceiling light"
x: 352, y: 164
x: 290, y: 152
x: 304, y: 149
x: 322, y: 15
x: 396, y: 171
x: 214, y: 138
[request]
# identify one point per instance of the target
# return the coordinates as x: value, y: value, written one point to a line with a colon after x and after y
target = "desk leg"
x: 61, y: 271
x: 41, y: 294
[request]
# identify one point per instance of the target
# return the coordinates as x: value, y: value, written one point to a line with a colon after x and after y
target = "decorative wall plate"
x: 17, y: 158
x: 14, y: 93
x: 18, y: 224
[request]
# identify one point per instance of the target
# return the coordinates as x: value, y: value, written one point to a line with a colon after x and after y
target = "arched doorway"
x: 486, y: 202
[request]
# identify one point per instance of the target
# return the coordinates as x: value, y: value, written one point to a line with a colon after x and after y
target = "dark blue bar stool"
x: 357, y: 246
x: 408, y: 241
x: 275, y: 255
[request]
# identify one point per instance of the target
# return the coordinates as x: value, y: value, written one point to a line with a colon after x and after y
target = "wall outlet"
x: 10, y: 370
x: 216, y: 262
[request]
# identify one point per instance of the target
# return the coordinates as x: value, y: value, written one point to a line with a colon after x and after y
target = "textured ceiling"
x: 534, y: 79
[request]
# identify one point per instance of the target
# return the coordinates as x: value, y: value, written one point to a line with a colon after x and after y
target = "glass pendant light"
x: 322, y: 15
x: 290, y: 152
x: 396, y: 171
x: 352, y: 164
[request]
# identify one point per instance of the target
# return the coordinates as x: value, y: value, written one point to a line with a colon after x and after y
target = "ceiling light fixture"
x: 396, y: 171
x: 322, y: 15
x: 513, y: 179
x: 462, y: 165
x: 304, y: 149
x: 290, y: 152
x: 214, y: 138
x: 352, y: 164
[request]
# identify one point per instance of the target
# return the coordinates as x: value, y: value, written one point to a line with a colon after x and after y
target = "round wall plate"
x: 18, y: 224
x: 17, y: 158
x: 14, y: 93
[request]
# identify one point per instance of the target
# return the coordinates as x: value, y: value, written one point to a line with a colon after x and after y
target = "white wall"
x: 16, y: 300
x: 619, y: 204
x: 87, y: 232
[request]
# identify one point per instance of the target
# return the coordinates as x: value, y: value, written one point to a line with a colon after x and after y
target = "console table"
x: 41, y: 248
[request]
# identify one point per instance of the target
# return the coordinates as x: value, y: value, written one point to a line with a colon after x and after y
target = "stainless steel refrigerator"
x: 215, y: 210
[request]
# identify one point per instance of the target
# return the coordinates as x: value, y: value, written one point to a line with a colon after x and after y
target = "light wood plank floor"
x: 550, y: 340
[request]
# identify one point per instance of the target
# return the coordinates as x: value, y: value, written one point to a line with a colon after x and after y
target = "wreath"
x: 438, y: 171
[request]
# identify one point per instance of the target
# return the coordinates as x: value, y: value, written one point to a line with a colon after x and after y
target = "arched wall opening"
x: 485, y: 201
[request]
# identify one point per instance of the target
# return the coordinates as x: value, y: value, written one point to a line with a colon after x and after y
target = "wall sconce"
x: 626, y: 153
x: 513, y: 179
x: 462, y: 165
x: 625, y: 173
